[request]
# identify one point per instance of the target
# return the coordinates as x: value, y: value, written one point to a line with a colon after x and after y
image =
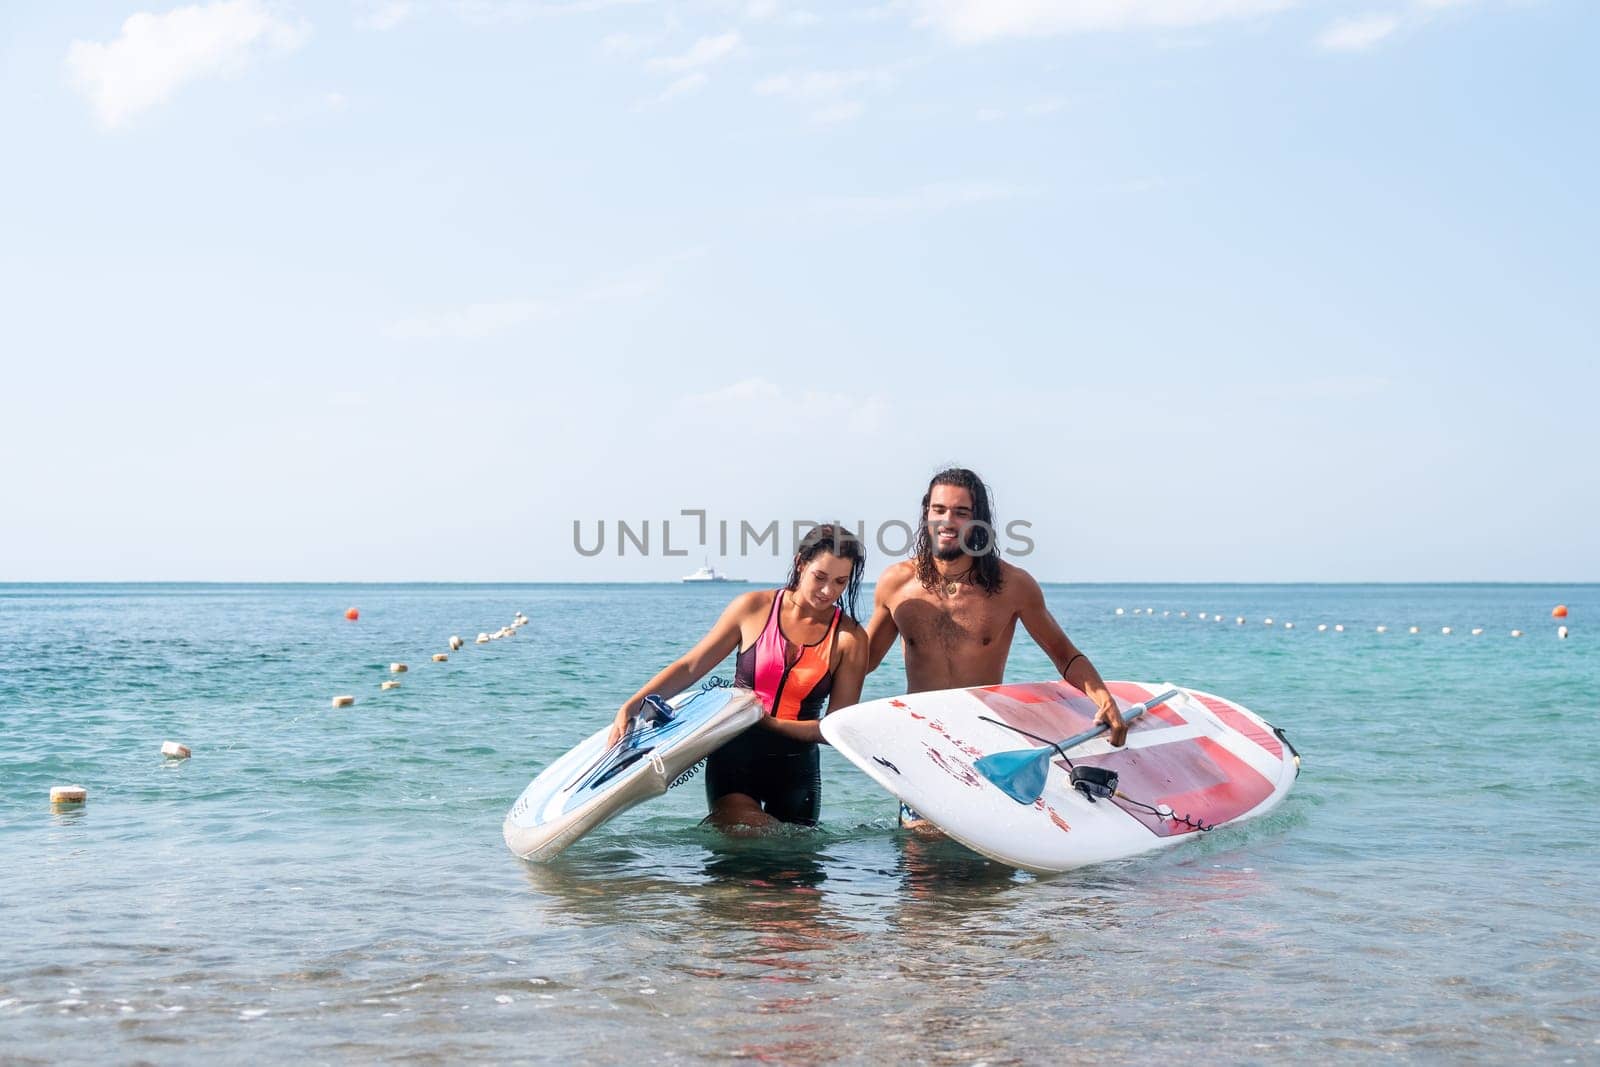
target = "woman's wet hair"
x: 977, y: 540
x: 840, y: 542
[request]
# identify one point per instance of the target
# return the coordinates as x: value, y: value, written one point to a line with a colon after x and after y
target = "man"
x: 956, y: 604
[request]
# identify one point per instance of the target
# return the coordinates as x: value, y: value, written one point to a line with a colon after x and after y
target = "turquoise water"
x: 330, y: 885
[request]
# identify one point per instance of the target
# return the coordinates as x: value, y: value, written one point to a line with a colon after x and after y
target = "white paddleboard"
x: 593, y: 783
x: 1207, y: 759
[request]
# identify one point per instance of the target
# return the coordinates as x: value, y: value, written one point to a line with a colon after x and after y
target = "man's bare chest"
x: 965, y: 620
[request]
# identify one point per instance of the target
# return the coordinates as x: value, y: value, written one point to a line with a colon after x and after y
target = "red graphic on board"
x: 1238, y: 720
x: 953, y: 767
x: 1052, y: 710
x: 1195, y: 777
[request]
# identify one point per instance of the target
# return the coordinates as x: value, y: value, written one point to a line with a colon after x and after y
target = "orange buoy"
x: 352, y: 614
x: 1559, y: 612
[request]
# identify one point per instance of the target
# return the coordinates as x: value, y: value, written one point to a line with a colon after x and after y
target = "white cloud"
x: 1358, y: 34
x: 626, y: 45
x: 833, y: 94
x: 757, y: 402
x: 485, y: 319
x: 703, y: 53
x: 939, y: 196
x: 471, y: 323
x: 820, y: 84
x: 489, y: 12
x: 155, y: 55
x: 689, y: 83
x: 843, y: 111
x: 973, y: 21
x: 385, y: 14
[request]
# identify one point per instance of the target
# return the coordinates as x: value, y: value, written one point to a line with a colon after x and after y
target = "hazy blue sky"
x: 1207, y: 289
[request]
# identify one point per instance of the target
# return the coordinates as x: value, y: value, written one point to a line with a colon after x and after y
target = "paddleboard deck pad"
x: 1192, y: 764
x: 594, y: 782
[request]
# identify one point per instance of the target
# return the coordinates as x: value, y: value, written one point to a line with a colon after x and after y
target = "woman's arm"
x: 693, y: 665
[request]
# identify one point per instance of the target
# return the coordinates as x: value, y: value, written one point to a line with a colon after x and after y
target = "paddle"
x: 1021, y: 773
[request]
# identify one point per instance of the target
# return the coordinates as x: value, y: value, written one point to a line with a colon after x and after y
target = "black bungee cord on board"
x: 1099, y: 783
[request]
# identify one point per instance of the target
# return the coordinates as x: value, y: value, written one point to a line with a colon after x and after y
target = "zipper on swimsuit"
x: 777, y: 697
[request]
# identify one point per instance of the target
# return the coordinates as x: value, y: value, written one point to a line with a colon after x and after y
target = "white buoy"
x: 1183, y: 614
x: 483, y: 639
x: 1445, y: 631
x: 68, y: 794
x: 1216, y: 618
x: 1416, y: 629
x: 398, y: 668
x: 1164, y: 614
x: 1561, y: 632
x: 173, y: 750
x: 1516, y: 633
x: 1266, y: 622
x: 1477, y: 632
x: 440, y: 657
x: 1288, y: 626
x: 455, y: 644
x: 389, y: 685
x: 1338, y: 628
x: 1149, y: 611
x: 343, y: 702
x: 1321, y: 627
x: 1119, y: 611
x: 1202, y: 614
x: 1239, y: 620
x: 1383, y: 629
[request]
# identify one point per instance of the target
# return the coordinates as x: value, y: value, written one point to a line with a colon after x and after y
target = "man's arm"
x: 1074, y: 666
x: 881, y: 630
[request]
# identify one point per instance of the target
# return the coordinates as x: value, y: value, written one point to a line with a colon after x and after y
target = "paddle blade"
x: 1019, y: 773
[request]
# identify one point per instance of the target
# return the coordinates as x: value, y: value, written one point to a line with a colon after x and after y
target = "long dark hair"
x: 842, y: 543
x: 977, y: 541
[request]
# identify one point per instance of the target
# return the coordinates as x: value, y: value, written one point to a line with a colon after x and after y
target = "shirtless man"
x: 957, y: 603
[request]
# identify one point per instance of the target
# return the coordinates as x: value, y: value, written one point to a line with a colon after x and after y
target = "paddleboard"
x: 1202, y: 760
x: 594, y: 782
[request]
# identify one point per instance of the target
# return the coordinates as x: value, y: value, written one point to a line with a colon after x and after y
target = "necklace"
x: 952, y: 584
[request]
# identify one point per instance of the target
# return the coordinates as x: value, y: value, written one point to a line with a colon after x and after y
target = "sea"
x: 329, y: 885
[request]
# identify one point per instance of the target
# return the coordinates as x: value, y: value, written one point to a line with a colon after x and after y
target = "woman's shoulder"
x: 850, y: 630
x: 750, y: 601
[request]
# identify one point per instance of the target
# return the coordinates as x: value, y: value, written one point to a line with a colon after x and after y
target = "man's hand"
x: 1111, y: 717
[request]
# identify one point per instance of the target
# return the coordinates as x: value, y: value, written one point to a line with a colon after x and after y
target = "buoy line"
x: 1560, y: 611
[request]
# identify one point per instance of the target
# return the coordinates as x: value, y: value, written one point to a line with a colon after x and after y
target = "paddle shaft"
x: 1127, y: 717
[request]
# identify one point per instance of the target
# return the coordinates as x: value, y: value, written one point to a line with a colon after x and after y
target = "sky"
x: 1206, y: 290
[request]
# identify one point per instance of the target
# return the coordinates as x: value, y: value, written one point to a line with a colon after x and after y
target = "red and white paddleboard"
x: 1197, y: 760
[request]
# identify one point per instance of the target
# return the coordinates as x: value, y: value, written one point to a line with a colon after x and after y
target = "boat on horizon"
x: 708, y: 573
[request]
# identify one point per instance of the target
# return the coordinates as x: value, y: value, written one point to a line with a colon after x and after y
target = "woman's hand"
x: 620, y: 725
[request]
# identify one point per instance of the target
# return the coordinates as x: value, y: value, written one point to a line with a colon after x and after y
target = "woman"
x: 799, y: 647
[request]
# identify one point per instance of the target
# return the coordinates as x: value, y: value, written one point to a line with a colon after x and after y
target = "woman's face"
x: 823, y: 580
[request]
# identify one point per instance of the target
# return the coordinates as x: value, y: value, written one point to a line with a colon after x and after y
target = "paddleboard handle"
x: 1095, y: 783
x: 655, y: 711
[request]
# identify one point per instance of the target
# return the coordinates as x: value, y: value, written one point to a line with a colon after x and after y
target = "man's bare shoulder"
x: 893, y: 581
x: 1017, y: 585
